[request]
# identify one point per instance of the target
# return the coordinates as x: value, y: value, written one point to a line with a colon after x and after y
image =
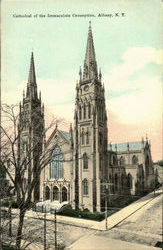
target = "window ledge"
x: 85, y: 170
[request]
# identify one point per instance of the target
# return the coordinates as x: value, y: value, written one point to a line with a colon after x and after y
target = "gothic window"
x: 82, y: 136
x: 84, y: 111
x: 122, y: 181
x: 87, y: 137
x: 134, y: 159
x: 85, y: 187
x: 100, y: 167
x: 47, y: 193
x: 100, y: 135
x: 89, y: 110
x: 116, y: 182
x: 55, y: 193
x: 64, y: 194
x: 56, y: 166
x: 85, y: 161
x: 80, y: 112
x: 129, y: 181
x: 114, y: 160
x: 122, y: 161
x: 102, y: 114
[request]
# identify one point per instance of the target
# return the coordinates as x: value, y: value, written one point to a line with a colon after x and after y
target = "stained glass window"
x: 56, y: 166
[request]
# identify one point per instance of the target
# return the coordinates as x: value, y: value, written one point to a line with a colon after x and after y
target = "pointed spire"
x: 90, y: 65
x: 32, y: 76
x: 31, y: 85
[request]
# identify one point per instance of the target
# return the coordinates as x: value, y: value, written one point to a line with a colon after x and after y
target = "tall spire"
x: 90, y: 65
x: 31, y: 85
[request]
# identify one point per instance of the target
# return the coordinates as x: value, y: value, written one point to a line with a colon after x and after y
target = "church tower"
x: 90, y: 134
x: 31, y: 132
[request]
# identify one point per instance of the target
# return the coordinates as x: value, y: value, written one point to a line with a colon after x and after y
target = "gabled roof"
x: 121, y: 147
x: 65, y: 134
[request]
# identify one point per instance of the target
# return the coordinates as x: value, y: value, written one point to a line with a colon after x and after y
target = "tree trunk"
x: 20, y: 228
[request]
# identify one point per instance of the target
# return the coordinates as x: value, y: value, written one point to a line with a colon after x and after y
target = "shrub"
x: 82, y: 214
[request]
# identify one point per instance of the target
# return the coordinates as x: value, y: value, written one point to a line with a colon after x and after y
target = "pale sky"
x: 128, y: 51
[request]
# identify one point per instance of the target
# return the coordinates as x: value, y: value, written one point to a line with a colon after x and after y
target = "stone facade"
x: 82, y: 164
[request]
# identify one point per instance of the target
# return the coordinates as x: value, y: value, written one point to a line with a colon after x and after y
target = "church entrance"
x: 55, y: 193
x: 64, y: 194
x: 47, y: 193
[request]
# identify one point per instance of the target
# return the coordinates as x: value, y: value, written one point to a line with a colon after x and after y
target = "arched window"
x: 85, y: 161
x: 114, y: 160
x: 64, y: 194
x: 122, y: 181
x: 84, y: 111
x: 87, y: 136
x: 55, y: 193
x: 47, y: 193
x: 85, y: 187
x: 122, y: 161
x: 129, y: 181
x: 56, y: 168
x: 102, y: 113
x: 80, y: 112
x: 82, y: 136
x: 89, y: 110
x: 100, y: 138
x: 116, y: 182
x: 134, y: 159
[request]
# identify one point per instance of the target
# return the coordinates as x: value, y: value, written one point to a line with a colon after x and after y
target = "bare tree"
x: 19, y: 162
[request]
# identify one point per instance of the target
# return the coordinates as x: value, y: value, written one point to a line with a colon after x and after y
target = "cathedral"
x: 82, y: 166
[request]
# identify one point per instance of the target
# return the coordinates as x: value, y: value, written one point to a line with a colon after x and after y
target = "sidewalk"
x: 112, y: 220
x: 94, y: 242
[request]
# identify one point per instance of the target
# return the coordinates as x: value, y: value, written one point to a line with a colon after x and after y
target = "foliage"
x: 82, y: 214
x: 15, y: 204
x: 122, y: 201
x: 160, y: 163
x: 8, y: 247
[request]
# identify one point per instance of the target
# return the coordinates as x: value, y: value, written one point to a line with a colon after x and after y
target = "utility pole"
x: 45, y: 229
x: 106, y: 212
x: 0, y: 225
x: 55, y: 229
x: 10, y: 220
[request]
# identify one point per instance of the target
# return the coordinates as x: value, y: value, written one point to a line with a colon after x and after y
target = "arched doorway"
x: 64, y: 194
x: 47, y: 193
x: 55, y: 193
